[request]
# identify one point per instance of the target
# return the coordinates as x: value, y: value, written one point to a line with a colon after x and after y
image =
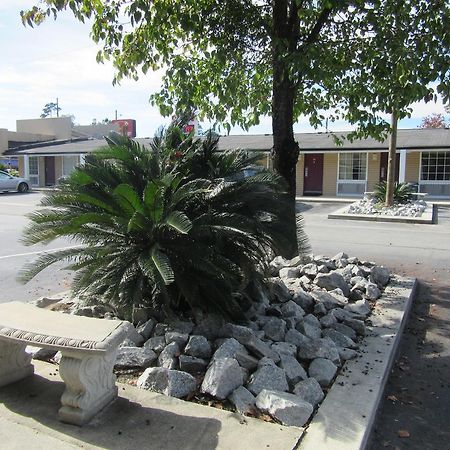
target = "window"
x: 69, y: 163
x: 33, y: 170
x: 435, y: 166
x: 34, y: 165
x: 352, y: 166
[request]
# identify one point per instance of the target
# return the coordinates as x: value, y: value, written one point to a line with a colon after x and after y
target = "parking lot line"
x: 18, y: 255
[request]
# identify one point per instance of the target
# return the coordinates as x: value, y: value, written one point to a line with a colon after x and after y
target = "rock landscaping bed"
x: 279, y: 365
x: 371, y: 206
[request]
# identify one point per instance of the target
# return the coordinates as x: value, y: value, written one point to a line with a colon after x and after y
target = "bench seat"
x: 88, y: 347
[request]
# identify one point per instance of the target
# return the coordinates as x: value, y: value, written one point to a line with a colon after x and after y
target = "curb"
x: 428, y: 216
x: 345, y: 419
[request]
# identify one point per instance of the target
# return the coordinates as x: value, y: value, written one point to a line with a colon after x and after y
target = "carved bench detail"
x: 88, y: 347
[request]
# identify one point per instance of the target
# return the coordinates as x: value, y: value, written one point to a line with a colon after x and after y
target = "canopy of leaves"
x: 349, y: 58
x: 49, y: 109
x: 171, y: 226
x: 405, y: 58
x: 434, y: 121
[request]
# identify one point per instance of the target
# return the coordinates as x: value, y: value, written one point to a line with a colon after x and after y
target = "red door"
x: 313, y: 174
x: 384, y: 166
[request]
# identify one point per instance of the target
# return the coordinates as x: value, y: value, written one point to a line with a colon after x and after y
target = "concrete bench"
x: 88, y: 347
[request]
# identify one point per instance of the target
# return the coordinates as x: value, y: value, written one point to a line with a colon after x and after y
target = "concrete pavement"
x: 139, y: 419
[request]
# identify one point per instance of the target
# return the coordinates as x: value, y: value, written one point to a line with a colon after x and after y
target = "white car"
x: 10, y: 183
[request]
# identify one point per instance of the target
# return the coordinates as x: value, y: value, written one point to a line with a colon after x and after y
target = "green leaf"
x: 128, y: 199
x: 179, y: 221
x: 162, y: 264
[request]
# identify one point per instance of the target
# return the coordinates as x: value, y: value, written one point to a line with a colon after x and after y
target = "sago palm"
x: 163, y: 226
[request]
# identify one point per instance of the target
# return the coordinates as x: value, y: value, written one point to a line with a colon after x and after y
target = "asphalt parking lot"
x: 14, y: 208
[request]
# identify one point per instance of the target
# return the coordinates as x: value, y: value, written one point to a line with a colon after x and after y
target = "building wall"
x: 3, y: 140
x: 59, y: 127
x: 330, y: 164
x: 21, y: 167
x: 299, y: 173
x: 96, y: 131
x: 373, y: 170
x: 412, y: 167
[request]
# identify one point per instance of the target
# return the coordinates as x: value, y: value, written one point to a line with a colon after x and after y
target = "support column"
x: 26, y: 166
x: 15, y: 362
x: 90, y: 384
x: 82, y: 158
x: 402, y: 168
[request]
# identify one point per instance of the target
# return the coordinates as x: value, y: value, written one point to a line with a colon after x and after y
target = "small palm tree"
x: 164, y: 226
x: 402, y: 192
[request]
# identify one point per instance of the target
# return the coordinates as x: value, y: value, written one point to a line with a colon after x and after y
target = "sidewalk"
x: 138, y: 419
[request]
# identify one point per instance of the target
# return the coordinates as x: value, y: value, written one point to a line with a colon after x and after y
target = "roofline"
x: 46, y: 144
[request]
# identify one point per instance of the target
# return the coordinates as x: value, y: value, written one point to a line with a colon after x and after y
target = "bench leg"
x: 90, y: 385
x: 14, y: 362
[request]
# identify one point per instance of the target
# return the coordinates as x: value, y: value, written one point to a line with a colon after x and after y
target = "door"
x: 384, y: 166
x: 313, y: 174
x: 50, y: 170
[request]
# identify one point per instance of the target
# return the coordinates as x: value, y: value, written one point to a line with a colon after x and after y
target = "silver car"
x: 10, y: 183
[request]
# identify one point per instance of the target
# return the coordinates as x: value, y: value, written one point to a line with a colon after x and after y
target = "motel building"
x: 48, y: 149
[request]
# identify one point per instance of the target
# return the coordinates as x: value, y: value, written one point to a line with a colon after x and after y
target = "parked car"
x: 10, y: 183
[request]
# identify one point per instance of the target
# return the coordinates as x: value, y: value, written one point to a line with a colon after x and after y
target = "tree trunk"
x: 390, y: 182
x: 285, y: 150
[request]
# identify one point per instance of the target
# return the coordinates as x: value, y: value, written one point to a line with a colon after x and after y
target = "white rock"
x: 332, y: 280
x: 323, y: 370
x: 319, y: 348
x: 168, y: 382
x: 267, y: 376
x: 310, y: 391
x: 372, y: 291
x: 243, y: 400
x: 168, y: 358
x: 135, y: 357
x: 146, y: 329
x: 198, y: 346
x: 284, y: 348
x: 341, y: 340
x: 191, y: 364
x: 360, y: 307
x: 293, y: 370
x: 228, y: 349
x: 289, y: 272
x: 289, y: 409
x: 174, y: 336
x: 222, y: 378
x: 156, y: 343
x: 292, y: 309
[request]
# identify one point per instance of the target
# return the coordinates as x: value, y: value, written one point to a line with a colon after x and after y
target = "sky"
x: 57, y: 60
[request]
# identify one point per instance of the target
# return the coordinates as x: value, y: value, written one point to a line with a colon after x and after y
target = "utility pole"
x: 57, y: 107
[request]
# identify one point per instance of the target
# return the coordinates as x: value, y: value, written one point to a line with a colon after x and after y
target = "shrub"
x: 164, y: 227
x: 402, y: 192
